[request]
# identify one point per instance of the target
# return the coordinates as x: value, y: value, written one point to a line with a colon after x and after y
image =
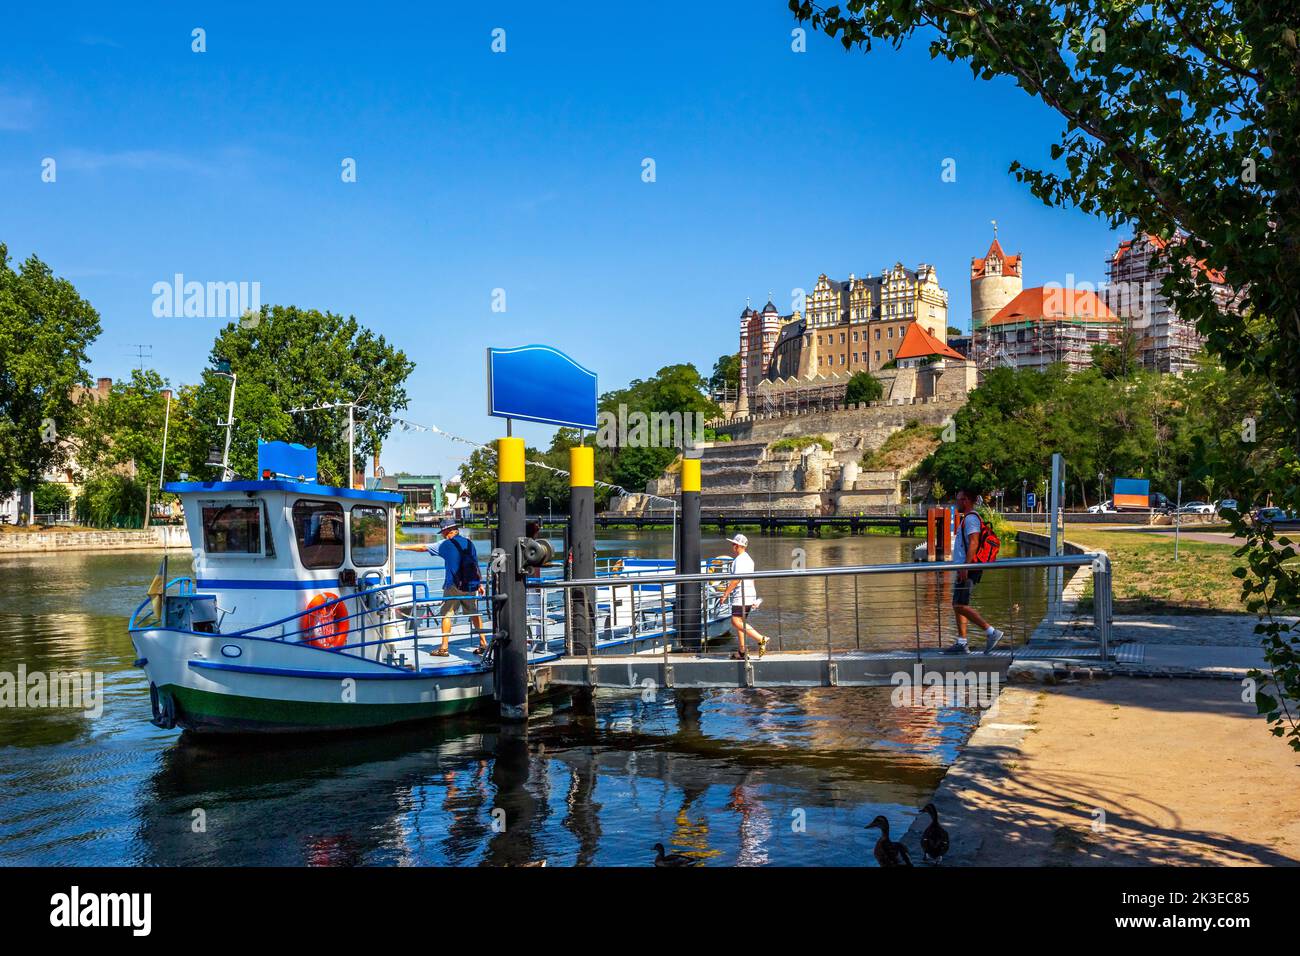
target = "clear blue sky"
x: 519, y: 171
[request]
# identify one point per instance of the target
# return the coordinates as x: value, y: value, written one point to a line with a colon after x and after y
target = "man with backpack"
x: 973, y: 542
x: 460, y: 584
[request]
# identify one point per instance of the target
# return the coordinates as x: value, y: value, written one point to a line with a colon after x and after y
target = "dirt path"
x: 1182, y: 769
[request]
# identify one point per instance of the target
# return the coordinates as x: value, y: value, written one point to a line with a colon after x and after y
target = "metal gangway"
x: 873, y: 623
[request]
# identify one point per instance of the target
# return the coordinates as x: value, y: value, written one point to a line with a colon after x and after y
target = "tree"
x: 1182, y: 121
x: 674, y: 390
x: 478, y: 475
x: 726, y: 374
x: 863, y: 387
x: 45, y: 330
x: 51, y: 498
x: 288, y: 358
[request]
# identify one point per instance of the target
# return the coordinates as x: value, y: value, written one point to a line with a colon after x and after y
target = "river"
x: 746, y: 777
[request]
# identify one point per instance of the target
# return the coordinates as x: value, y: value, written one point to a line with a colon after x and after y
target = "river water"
x: 740, y: 777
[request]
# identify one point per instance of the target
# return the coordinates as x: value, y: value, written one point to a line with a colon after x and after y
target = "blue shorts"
x: 961, y: 590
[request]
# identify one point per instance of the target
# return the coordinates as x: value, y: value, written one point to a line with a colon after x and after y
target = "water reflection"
x: 738, y: 777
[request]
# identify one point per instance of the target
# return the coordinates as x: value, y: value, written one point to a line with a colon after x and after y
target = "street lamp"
x: 223, y: 369
x: 1101, y: 488
x: 548, y: 509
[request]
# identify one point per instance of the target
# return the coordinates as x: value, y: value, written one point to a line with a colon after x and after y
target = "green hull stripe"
x: 204, y: 710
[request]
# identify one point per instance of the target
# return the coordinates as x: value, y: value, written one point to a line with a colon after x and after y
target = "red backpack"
x: 986, y: 544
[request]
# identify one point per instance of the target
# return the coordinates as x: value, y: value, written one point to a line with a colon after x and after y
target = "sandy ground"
x: 1184, y: 772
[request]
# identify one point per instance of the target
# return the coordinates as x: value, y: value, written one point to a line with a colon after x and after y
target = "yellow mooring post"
x: 687, y: 616
x: 581, y: 620
x: 512, y: 618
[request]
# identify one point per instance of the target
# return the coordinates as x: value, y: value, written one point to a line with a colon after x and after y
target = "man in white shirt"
x: 746, y: 600
x: 965, y: 542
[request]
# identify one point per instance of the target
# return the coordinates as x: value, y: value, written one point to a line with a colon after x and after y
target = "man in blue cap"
x: 461, y: 582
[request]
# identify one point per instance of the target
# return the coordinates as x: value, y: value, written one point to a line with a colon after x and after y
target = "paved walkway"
x: 1121, y: 772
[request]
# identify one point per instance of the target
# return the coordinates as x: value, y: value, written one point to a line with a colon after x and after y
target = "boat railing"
x: 308, y: 626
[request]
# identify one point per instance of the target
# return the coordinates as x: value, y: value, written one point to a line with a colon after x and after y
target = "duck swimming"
x: 888, y: 852
x: 934, y: 841
x: 672, y: 859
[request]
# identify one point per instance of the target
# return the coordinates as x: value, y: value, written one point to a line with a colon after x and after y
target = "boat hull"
x: 216, y: 683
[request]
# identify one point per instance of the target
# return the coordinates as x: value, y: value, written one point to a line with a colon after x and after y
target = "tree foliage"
x: 863, y: 387
x: 45, y: 330
x: 289, y: 358
x: 1181, y: 120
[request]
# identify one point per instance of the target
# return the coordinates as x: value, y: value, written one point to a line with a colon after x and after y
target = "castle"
x: 805, y: 359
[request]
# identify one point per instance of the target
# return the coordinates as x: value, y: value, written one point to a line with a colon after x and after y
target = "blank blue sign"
x: 537, y: 383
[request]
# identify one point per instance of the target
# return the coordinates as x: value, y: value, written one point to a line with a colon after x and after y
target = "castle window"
x: 891, y: 353
x: 877, y: 355
x: 877, y: 339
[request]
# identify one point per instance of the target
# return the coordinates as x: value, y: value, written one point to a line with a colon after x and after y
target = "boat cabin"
x: 265, y: 549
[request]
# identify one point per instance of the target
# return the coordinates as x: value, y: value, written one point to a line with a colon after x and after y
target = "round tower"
x: 994, y: 281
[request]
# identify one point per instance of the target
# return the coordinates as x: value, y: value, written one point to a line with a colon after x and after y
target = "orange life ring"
x: 326, y: 626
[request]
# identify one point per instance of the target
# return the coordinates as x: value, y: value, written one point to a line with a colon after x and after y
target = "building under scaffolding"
x: 1045, y: 326
x: 1166, y: 342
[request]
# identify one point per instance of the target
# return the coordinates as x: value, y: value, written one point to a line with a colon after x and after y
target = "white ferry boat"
x: 297, y: 618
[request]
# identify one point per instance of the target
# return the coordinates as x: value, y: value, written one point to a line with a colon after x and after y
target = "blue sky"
x: 519, y: 171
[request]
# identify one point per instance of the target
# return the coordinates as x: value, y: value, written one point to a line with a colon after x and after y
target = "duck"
x: 888, y: 853
x: 934, y: 841
x: 672, y: 859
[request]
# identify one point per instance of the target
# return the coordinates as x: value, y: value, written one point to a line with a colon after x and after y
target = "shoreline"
x: 158, y: 537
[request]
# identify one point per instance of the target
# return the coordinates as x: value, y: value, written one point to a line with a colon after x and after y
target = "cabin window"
x: 318, y: 526
x: 369, y: 536
x: 232, y: 527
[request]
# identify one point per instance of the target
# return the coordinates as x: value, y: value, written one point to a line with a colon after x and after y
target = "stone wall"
x: 149, y: 539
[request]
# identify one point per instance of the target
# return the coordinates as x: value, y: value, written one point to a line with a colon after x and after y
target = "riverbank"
x: 1135, y: 764
x: 1121, y: 771
x: 159, y: 537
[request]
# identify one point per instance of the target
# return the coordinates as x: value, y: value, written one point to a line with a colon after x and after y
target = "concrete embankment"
x: 148, y: 539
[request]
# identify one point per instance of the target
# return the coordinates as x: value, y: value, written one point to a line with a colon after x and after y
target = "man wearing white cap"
x: 744, y: 602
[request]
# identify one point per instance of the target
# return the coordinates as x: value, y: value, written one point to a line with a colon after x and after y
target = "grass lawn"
x: 1148, y: 580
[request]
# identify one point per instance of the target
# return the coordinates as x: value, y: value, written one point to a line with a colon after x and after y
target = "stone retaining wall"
x: 149, y: 539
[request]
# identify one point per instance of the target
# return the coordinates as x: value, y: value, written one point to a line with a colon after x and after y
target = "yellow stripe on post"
x: 690, y: 474
x: 510, y: 460
x: 582, y: 467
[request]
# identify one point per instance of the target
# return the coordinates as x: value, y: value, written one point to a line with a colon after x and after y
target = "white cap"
x: 741, y: 540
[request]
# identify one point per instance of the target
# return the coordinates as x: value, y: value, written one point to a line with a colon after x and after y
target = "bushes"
x: 800, y: 443
x: 863, y: 387
x: 110, y: 500
x: 52, y: 498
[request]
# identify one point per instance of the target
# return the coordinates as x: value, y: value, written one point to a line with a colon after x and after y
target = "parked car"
x: 1197, y: 508
x: 1271, y: 515
x: 1227, y: 504
x: 1105, y: 508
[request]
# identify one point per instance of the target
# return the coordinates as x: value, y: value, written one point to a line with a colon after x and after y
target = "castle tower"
x: 994, y: 281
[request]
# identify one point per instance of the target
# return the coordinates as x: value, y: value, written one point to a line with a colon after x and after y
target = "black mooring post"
x: 686, y: 607
x: 582, y: 544
x: 512, y: 661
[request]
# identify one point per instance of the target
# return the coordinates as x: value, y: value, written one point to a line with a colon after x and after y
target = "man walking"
x: 964, y: 549
x: 460, y: 583
x: 744, y: 602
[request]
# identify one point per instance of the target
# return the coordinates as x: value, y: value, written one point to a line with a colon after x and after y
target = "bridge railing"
x: 905, y: 607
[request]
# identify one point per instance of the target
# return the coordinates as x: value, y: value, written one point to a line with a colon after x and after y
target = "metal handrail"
x: 911, y: 567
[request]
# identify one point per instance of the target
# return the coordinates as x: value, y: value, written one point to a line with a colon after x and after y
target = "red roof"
x: 919, y: 343
x: 1054, y: 305
x: 1010, y: 264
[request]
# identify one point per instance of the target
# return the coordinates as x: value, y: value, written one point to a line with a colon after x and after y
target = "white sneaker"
x: 993, y: 640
